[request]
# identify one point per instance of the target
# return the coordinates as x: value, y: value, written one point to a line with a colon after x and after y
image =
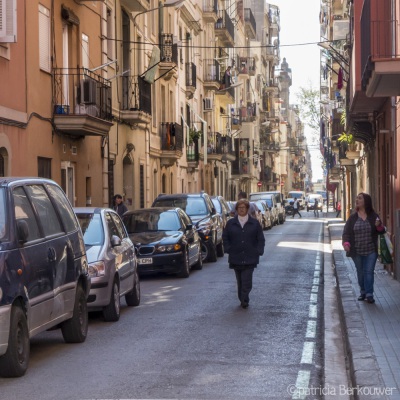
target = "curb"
x: 365, y: 375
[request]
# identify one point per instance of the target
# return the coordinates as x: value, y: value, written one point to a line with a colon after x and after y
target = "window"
x: 24, y: 212
x: 85, y: 51
x: 110, y: 34
x: 44, y: 167
x: 43, y: 206
x: 120, y: 226
x: 44, y: 38
x: 8, y: 21
x: 112, y: 229
x: 63, y: 207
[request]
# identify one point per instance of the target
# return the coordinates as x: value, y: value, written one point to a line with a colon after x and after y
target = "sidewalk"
x: 371, y: 331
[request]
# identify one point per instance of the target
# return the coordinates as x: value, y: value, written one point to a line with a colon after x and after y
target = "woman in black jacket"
x: 360, y: 241
x: 244, y: 242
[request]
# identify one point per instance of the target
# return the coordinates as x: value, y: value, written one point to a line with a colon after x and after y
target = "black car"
x: 165, y: 240
x: 202, y: 212
x: 44, y: 279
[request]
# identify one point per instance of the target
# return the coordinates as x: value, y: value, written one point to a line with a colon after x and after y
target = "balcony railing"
x: 219, y: 144
x: 250, y: 20
x: 136, y: 94
x: 171, y: 136
x: 93, y: 93
x: 212, y: 71
x: 192, y: 152
x: 224, y: 23
x: 168, y: 49
x: 246, y: 65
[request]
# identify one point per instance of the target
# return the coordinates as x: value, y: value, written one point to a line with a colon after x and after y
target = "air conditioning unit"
x: 88, y: 91
x: 208, y: 104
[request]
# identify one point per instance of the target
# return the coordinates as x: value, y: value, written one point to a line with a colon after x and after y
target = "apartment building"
x: 131, y: 97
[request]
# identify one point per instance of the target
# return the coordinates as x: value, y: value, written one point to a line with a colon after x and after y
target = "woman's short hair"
x: 242, y: 202
x: 367, y: 203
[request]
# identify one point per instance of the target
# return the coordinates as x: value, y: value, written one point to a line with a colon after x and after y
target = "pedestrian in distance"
x: 316, y: 209
x: 296, y: 207
x: 227, y: 78
x: 244, y: 243
x: 119, y: 206
x: 360, y: 241
x: 338, y: 209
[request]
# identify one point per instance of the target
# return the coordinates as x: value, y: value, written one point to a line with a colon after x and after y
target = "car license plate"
x: 147, y: 260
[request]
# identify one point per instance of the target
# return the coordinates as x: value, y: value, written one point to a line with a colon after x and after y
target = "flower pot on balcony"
x: 352, y: 154
x: 61, y: 109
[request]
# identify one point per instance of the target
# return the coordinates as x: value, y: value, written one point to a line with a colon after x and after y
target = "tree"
x: 310, y: 109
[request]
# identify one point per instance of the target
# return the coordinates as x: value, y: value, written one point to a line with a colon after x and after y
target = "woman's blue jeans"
x: 365, y: 266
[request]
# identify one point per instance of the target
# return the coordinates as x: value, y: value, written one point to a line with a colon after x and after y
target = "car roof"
x: 179, y: 195
x: 91, y: 210
x: 149, y: 209
x: 23, y: 180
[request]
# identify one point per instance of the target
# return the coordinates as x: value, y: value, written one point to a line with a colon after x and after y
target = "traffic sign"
x: 259, y: 184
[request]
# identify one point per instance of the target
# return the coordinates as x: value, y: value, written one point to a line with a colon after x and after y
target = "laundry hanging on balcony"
x: 340, y: 79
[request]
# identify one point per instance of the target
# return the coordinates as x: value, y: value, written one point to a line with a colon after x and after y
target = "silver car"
x: 112, y: 261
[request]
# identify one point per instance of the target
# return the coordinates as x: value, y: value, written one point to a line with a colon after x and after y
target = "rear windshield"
x: 261, y: 196
x: 191, y: 205
x: 92, y: 228
x: 295, y: 195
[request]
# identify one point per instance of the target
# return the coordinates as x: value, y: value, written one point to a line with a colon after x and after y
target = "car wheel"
x: 204, y: 252
x: 199, y: 263
x: 112, y: 311
x: 14, y: 362
x: 220, y: 249
x: 281, y: 219
x: 133, y: 298
x: 185, y: 270
x: 75, y: 329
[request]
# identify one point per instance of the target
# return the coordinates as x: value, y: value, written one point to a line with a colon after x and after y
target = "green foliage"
x: 194, y: 135
x: 310, y: 107
x: 345, y: 137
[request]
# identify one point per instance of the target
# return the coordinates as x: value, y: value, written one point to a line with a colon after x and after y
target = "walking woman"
x: 244, y: 242
x: 360, y: 241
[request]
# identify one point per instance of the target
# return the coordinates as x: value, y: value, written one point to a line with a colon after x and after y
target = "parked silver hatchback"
x: 112, y: 261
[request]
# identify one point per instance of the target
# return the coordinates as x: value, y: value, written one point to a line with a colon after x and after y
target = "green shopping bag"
x: 383, y: 251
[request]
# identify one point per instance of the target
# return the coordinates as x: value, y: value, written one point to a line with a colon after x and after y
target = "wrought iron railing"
x: 224, y: 22
x: 218, y: 144
x: 80, y: 91
x: 211, y: 70
x: 249, y: 17
x: 171, y: 136
x: 168, y: 49
x: 136, y: 94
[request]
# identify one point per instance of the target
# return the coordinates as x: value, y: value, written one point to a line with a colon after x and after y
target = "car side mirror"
x: 22, y: 231
x: 115, y: 241
x: 213, y: 211
x: 189, y: 227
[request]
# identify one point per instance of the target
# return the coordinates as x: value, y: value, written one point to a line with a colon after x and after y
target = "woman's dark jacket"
x: 348, y: 232
x: 244, y: 245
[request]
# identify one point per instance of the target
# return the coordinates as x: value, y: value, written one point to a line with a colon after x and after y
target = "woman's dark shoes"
x: 370, y: 300
x: 361, y: 297
x: 244, y: 304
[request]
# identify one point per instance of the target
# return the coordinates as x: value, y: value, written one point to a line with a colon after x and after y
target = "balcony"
x: 212, y: 73
x: 271, y: 53
x: 191, y: 79
x: 380, y: 64
x: 246, y: 65
x: 193, y: 154
x: 224, y: 29
x: 136, y: 100
x: 168, y: 57
x: 82, y: 102
x: 241, y: 166
x: 171, y: 143
x: 274, y: 21
x: 219, y: 148
x: 210, y: 11
x: 250, y: 24
x: 136, y: 5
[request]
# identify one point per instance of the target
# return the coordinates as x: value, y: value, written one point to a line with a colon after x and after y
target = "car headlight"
x: 97, y: 269
x: 170, y: 247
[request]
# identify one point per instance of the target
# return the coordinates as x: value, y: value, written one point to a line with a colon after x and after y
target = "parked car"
x: 112, y: 261
x: 311, y: 201
x: 271, y: 203
x: 44, y: 279
x: 280, y: 203
x: 265, y: 213
x: 222, y: 208
x: 202, y: 212
x: 165, y: 239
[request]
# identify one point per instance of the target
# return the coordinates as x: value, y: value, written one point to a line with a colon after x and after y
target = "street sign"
x: 259, y: 184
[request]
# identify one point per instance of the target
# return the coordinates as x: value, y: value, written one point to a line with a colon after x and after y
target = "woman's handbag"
x: 385, y: 252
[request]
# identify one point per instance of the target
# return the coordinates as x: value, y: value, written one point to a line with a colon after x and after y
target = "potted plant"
x: 194, y: 135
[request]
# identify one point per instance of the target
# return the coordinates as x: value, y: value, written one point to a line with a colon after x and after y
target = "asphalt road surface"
x: 190, y: 339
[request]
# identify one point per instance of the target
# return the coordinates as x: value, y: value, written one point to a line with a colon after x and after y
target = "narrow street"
x: 189, y: 338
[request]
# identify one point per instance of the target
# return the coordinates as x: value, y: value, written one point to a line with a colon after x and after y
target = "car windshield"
x: 2, y: 213
x: 295, y: 195
x: 260, y: 205
x: 269, y: 202
x: 92, y: 228
x: 148, y: 221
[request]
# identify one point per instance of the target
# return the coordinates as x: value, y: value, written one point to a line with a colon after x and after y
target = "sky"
x: 299, y: 22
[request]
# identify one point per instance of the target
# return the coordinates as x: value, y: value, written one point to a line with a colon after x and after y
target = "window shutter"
x: 8, y: 21
x: 85, y: 51
x: 44, y: 38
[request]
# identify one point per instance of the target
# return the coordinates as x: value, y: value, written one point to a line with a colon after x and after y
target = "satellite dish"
x: 232, y: 86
